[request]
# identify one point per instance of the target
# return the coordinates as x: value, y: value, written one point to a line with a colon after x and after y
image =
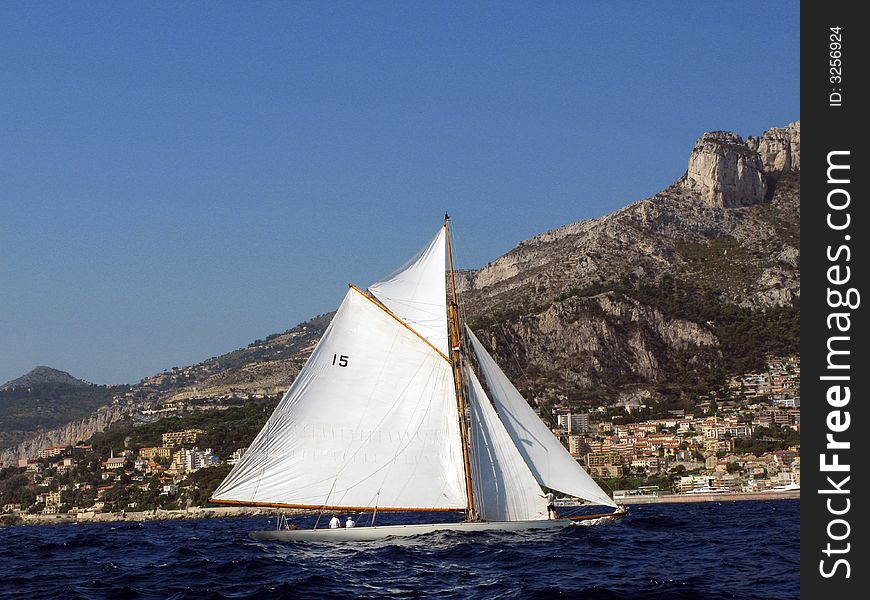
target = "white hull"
x: 363, y: 534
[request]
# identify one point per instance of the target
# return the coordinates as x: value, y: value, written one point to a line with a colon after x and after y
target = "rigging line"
x: 513, y: 357
x: 492, y: 385
x: 320, y: 514
x: 380, y: 305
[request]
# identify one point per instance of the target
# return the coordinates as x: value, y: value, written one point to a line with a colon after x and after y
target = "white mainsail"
x: 370, y: 421
x: 545, y: 455
x: 504, y: 488
x: 417, y: 292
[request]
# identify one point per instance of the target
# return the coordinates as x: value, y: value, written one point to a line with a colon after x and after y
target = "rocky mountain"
x: 45, y: 375
x: 659, y: 300
x: 43, y: 399
x: 68, y: 433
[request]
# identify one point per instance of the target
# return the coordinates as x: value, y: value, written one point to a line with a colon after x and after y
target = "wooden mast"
x: 456, y: 358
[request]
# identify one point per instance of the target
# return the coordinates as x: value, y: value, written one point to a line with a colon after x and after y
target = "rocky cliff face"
x: 725, y: 171
x: 594, y: 341
x: 67, y: 434
x: 779, y: 148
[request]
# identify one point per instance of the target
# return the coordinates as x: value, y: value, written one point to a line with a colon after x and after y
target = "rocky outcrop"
x: 67, y: 434
x: 725, y: 172
x: 779, y: 149
x: 601, y: 340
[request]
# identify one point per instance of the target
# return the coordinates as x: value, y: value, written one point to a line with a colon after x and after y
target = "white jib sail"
x: 504, y: 488
x: 371, y: 420
x: 417, y: 292
x: 545, y: 455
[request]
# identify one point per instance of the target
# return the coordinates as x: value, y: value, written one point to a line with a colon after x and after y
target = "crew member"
x: 551, y: 506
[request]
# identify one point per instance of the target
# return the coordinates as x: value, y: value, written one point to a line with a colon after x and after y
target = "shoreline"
x: 228, y: 512
x: 194, y: 512
x: 721, y: 497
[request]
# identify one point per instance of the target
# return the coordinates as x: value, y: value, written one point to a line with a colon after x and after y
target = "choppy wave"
x: 704, y: 550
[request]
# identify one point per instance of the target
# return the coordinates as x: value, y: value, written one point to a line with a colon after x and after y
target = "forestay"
x: 371, y: 420
x: 504, y: 488
x: 417, y: 292
x: 545, y: 455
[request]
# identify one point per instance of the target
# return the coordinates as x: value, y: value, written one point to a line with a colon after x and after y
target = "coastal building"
x: 101, y: 491
x: 788, y: 401
x: 690, y: 483
x: 115, y: 462
x: 578, y: 445
x: 574, y: 422
x: 651, y: 464
x: 190, y: 460
x: 51, y: 451
x: 63, y: 465
x: 49, y: 499
x: 178, y: 438
x: 604, y: 464
x: 727, y: 430
x: 236, y: 456
x: 718, y: 445
x: 155, y: 452
x: 81, y: 450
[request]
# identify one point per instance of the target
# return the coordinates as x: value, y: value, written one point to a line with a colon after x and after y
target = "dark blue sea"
x: 705, y: 550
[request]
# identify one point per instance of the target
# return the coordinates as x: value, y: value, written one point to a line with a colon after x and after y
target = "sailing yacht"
x: 388, y: 415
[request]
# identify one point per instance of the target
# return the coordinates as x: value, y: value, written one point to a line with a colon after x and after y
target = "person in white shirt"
x: 350, y: 522
x: 334, y: 523
x: 551, y: 506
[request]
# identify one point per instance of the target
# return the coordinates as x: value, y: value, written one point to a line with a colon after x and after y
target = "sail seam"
x: 399, y: 320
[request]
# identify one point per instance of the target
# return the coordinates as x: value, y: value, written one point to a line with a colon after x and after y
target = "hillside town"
x: 75, y: 480
x: 718, y: 448
x: 744, y: 441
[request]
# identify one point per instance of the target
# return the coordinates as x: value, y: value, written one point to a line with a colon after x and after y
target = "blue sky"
x: 178, y: 179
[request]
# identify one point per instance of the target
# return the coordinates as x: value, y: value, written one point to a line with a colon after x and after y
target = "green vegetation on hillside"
x: 768, y: 439
x: 24, y: 410
x: 225, y: 430
x: 745, y: 336
x: 264, y: 350
x: 720, y: 264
